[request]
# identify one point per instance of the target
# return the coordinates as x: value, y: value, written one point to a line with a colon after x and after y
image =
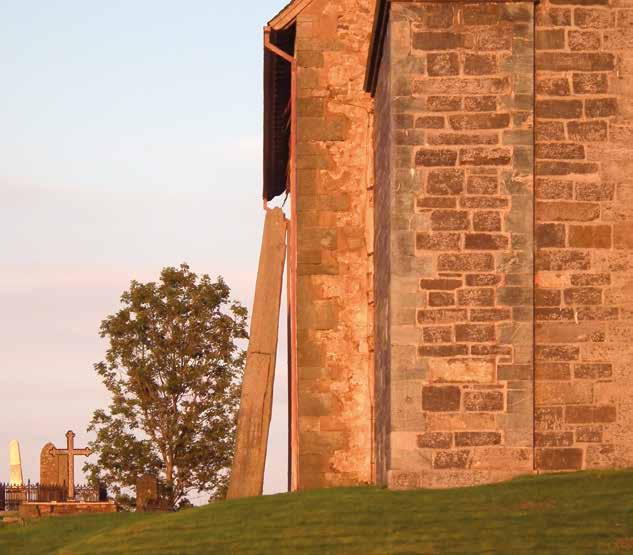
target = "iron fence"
x: 12, y: 496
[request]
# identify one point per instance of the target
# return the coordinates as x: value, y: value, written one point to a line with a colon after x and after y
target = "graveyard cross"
x: 71, y: 452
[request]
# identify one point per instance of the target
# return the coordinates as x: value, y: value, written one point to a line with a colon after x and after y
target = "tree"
x: 173, y: 368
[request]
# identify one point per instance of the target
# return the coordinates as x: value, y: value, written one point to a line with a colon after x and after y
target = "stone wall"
x: 335, y: 245
x: 461, y: 290
x: 488, y: 364
x: 584, y: 190
x: 29, y: 511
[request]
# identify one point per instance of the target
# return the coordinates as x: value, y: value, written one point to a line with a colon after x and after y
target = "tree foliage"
x: 173, y: 368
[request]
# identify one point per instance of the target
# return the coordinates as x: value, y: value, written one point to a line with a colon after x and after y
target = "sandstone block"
x: 427, y: 203
x: 503, y: 458
x: 463, y: 139
x: 584, y: 40
x: 446, y: 315
x: 549, y: 418
x: 587, y: 131
x: 490, y: 315
x: 547, y: 297
x: 483, y: 401
x: 567, y: 211
x: 559, y: 459
x: 449, y: 220
x: 444, y: 103
x: 468, y: 421
x: 441, y: 398
x: 560, y: 151
x: 583, y: 295
x: 590, y: 414
x: 558, y: 109
x: 480, y: 64
x: 477, y: 439
x: 473, y: 262
x: 442, y: 284
x: 432, y: 157
x: 550, y: 39
x: 445, y: 182
x: 552, y: 371
x: 462, y: 370
x: 486, y: 241
x: 438, y: 241
x: 588, y: 434
x: 435, y: 440
x: 476, y: 297
x: 479, y: 156
x: 480, y: 103
x: 482, y: 185
x: 554, y: 189
x: 483, y: 202
x: 451, y: 459
x: 479, y: 121
x: 442, y: 64
x: 557, y: 353
x: 441, y: 298
x: 429, y: 122
x: 549, y: 130
x: 592, y: 191
x: 593, y: 371
x: 564, y: 61
x: 438, y: 40
x: 442, y: 350
x: 482, y: 280
x: 513, y: 372
x: 566, y: 168
x: 562, y: 393
x: 590, y: 237
x: 601, y: 107
x: 438, y: 334
x: 553, y: 86
x: 553, y: 17
x: 559, y: 260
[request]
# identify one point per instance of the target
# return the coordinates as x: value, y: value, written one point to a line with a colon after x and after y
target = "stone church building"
x: 461, y: 236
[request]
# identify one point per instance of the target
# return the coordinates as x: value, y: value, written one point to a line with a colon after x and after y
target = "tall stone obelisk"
x: 15, y: 464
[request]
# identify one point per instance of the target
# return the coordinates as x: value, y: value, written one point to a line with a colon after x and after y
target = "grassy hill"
x: 575, y: 513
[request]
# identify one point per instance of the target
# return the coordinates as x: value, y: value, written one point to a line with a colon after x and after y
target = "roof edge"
x: 378, y: 33
x: 288, y: 14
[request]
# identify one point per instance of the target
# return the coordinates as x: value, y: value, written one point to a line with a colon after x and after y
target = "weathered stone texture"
x: 584, y: 76
x: 481, y: 161
x: 460, y: 231
x: 53, y: 467
x: 335, y: 245
x: 28, y: 511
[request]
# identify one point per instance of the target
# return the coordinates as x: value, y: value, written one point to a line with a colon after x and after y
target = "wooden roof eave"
x: 287, y: 16
x: 376, y: 45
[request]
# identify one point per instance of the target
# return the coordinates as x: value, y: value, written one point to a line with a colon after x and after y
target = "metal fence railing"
x: 12, y: 496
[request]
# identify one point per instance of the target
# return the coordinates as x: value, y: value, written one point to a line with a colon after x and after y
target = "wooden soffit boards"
x: 288, y: 15
x: 381, y: 18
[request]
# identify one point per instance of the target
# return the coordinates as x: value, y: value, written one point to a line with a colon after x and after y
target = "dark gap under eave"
x: 277, y: 116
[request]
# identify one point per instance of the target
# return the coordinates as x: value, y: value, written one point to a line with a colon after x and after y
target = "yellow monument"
x: 15, y: 464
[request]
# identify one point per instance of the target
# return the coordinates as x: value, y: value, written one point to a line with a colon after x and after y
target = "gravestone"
x: 53, y: 466
x: 15, y: 464
x: 146, y: 493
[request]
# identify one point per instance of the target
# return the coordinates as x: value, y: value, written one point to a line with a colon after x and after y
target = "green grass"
x: 573, y: 513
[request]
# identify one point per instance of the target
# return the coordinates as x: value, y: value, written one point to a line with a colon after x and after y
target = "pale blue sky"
x: 130, y: 135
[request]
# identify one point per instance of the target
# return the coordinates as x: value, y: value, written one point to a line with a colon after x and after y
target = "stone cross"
x: 15, y: 464
x: 71, y: 452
